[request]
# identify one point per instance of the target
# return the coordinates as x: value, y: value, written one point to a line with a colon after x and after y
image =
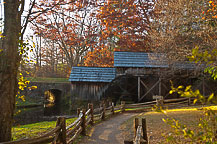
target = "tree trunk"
x: 9, y: 61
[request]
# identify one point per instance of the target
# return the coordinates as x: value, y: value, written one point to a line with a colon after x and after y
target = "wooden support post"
x: 83, y: 125
x: 122, y: 106
x: 160, y: 87
x: 90, y: 106
x: 113, y: 109
x: 189, y: 101
x: 136, y: 124
x: 78, y: 111
x: 144, y: 130
x: 57, y: 134
x: 139, y: 79
x: 103, y: 112
x: 61, y: 121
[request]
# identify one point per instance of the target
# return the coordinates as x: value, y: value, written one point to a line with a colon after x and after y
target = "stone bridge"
x: 57, y: 89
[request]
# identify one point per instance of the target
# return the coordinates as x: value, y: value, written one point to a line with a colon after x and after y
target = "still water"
x: 46, y: 112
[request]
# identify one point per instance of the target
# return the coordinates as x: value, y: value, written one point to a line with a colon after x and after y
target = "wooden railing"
x: 67, y: 134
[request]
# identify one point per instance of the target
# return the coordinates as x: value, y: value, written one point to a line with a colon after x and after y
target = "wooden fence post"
x: 144, y: 130
x: 61, y: 121
x: 136, y: 124
x: 83, y: 125
x: 189, y: 101
x: 90, y: 106
x: 113, y: 109
x: 57, y: 134
x: 122, y: 106
x: 78, y: 111
x: 103, y: 113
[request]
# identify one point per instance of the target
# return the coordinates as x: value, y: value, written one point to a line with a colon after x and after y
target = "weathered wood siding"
x: 87, y: 90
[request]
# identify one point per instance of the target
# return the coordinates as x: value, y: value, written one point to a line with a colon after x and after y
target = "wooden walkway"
x: 109, y: 131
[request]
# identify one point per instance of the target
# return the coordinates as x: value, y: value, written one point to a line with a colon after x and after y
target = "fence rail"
x: 67, y: 134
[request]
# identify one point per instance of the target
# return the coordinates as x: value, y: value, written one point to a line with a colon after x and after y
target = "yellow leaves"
x: 210, y: 2
x: 32, y: 87
x: 22, y: 98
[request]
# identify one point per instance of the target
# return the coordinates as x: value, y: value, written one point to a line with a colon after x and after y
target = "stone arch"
x: 53, y: 95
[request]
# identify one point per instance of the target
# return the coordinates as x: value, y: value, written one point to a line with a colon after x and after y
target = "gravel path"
x: 109, y: 131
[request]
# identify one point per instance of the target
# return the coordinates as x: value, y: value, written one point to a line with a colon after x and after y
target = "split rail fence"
x: 67, y: 134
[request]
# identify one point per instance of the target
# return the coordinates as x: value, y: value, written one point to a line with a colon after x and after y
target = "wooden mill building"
x: 136, y: 75
x: 88, y: 83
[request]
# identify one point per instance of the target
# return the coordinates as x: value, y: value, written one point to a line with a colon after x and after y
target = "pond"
x: 46, y: 112
x: 49, y: 111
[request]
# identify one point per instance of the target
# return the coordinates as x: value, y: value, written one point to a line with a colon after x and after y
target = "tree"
x: 125, y: 26
x: 9, y: 63
x: 179, y: 28
x: 72, y: 27
x: 10, y: 57
x: 205, y: 130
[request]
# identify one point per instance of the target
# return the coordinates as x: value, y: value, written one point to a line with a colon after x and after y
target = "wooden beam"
x: 159, y: 86
x: 146, y: 86
x: 139, y: 79
x: 149, y: 90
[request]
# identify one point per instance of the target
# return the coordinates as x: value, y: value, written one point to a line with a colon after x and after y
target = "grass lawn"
x: 36, y: 129
x: 156, y: 128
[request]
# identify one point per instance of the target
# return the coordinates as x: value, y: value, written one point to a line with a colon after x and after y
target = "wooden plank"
x: 157, y: 97
x: 144, y: 130
x: 149, y: 90
x: 146, y: 86
x: 74, y: 129
x: 159, y: 86
x: 136, y: 124
x: 139, y: 88
x: 75, y: 136
x: 138, y: 135
x: 175, y: 100
x: 75, y: 122
x: 83, y: 122
x: 87, y: 112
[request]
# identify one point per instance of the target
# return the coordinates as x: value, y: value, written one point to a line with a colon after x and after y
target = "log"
x: 137, y: 139
x: 112, y: 110
x: 74, y: 129
x: 136, y: 124
x: 83, y: 122
x: 74, y: 123
x: 91, y: 113
x: 75, y: 136
x: 78, y: 111
x: 144, y: 130
x: 88, y: 112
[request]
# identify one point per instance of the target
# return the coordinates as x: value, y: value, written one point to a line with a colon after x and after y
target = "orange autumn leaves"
x: 100, y: 57
x: 211, y: 13
x: 125, y: 27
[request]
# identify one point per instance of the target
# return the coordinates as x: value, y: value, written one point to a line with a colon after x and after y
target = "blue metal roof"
x: 139, y: 59
x: 92, y: 74
x: 148, y: 60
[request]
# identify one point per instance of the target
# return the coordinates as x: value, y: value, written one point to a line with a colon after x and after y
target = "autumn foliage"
x: 88, y: 32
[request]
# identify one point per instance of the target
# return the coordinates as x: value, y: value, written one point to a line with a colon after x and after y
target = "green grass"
x: 47, y: 79
x: 36, y: 129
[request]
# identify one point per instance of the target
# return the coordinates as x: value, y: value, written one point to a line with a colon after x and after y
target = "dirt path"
x: 109, y: 131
